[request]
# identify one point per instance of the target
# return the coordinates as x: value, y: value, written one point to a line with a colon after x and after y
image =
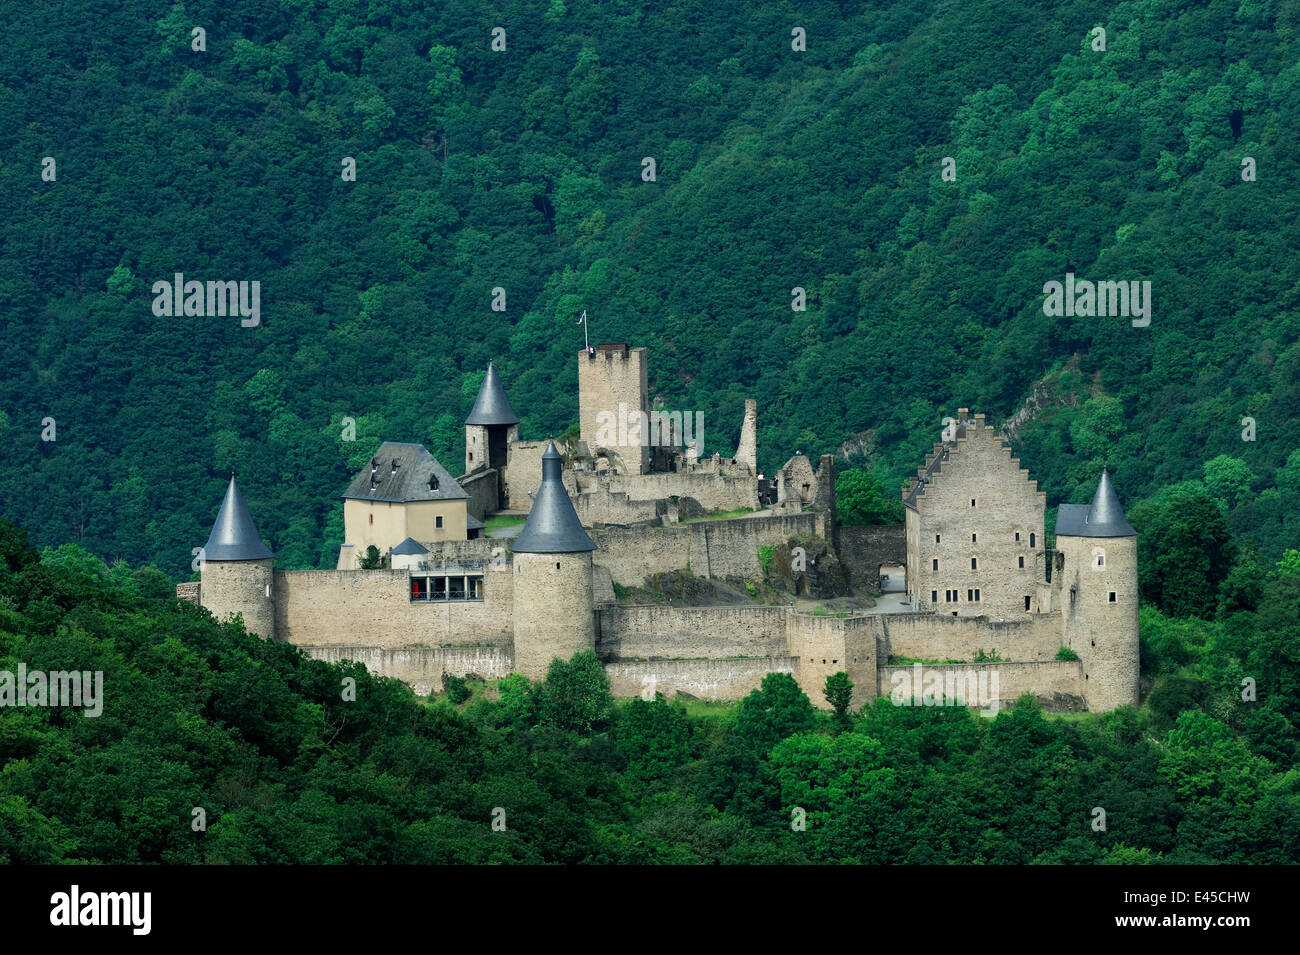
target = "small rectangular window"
x: 1022, y: 562
x: 936, y: 538
x: 1026, y: 603
x: 970, y: 595
x: 935, y: 564
x: 972, y: 502
x: 1017, y: 536
x: 934, y: 596
x: 973, y: 561
x: 1112, y: 596
x: 972, y: 538
x: 437, y: 521
x: 977, y: 595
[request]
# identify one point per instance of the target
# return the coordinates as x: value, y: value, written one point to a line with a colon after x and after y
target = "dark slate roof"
x: 410, y: 482
x: 472, y: 523
x: 552, y: 526
x: 492, y: 406
x: 933, y: 468
x: 234, y: 535
x: 1102, y: 518
x: 409, y: 546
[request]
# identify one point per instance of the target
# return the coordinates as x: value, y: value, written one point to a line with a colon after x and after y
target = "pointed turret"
x: 552, y: 526
x: 492, y: 407
x: 234, y: 535
x: 237, y: 570
x: 1105, y: 516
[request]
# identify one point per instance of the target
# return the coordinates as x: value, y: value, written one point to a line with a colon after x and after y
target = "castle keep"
x: 988, y: 604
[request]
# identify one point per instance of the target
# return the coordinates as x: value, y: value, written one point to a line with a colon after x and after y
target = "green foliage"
x: 839, y: 693
x: 575, y: 696
x: 456, y: 688
x: 860, y: 499
x: 371, y: 559
x: 1066, y: 654
x: 1185, y: 551
x: 766, y: 554
x: 922, y: 296
x: 202, y: 713
x: 777, y: 709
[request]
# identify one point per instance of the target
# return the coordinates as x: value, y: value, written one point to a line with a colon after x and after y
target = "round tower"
x: 235, y: 567
x: 491, y: 427
x: 553, y: 606
x: 1099, y: 596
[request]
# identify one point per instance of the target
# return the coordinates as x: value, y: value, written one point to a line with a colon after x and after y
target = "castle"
x: 989, y: 606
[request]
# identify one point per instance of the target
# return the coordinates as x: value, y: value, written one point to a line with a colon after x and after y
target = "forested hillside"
x: 286, y: 769
x: 522, y: 169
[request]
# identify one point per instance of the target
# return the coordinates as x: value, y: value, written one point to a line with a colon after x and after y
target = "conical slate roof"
x: 1102, y: 518
x: 492, y: 406
x: 552, y: 526
x: 234, y: 535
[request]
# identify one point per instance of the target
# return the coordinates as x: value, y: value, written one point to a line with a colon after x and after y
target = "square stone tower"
x: 611, y: 400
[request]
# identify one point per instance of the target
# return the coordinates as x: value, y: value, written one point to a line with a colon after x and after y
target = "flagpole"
x: 586, y: 342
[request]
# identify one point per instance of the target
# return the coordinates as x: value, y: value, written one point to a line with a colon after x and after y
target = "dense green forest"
x: 202, y: 715
x: 522, y: 169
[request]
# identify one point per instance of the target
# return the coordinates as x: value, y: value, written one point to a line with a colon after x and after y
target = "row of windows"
x: 973, y: 596
x: 450, y: 587
x: 437, y: 520
x: 1033, y: 538
x: 974, y: 563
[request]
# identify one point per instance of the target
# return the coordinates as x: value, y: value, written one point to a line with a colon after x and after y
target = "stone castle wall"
x: 523, y: 473
x: 602, y: 506
x: 481, y: 486
x: 372, y: 608
x: 863, y: 549
x: 685, y: 632
x: 725, y: 548
x: 1057, y: 682
x: 422, y: 668
x: 728, y: 679
x: 827, y: 645
x: 713, y: 490
x: 926, y: 636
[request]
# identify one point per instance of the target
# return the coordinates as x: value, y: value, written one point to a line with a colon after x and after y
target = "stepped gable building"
x: 403, y: 492
x: 975, y: 544
x: 982, y: 585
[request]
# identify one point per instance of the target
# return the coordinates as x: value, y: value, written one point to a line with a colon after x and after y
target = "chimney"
x: 961, y: 415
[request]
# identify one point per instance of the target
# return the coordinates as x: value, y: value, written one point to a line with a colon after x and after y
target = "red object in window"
x: 415, y: 591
